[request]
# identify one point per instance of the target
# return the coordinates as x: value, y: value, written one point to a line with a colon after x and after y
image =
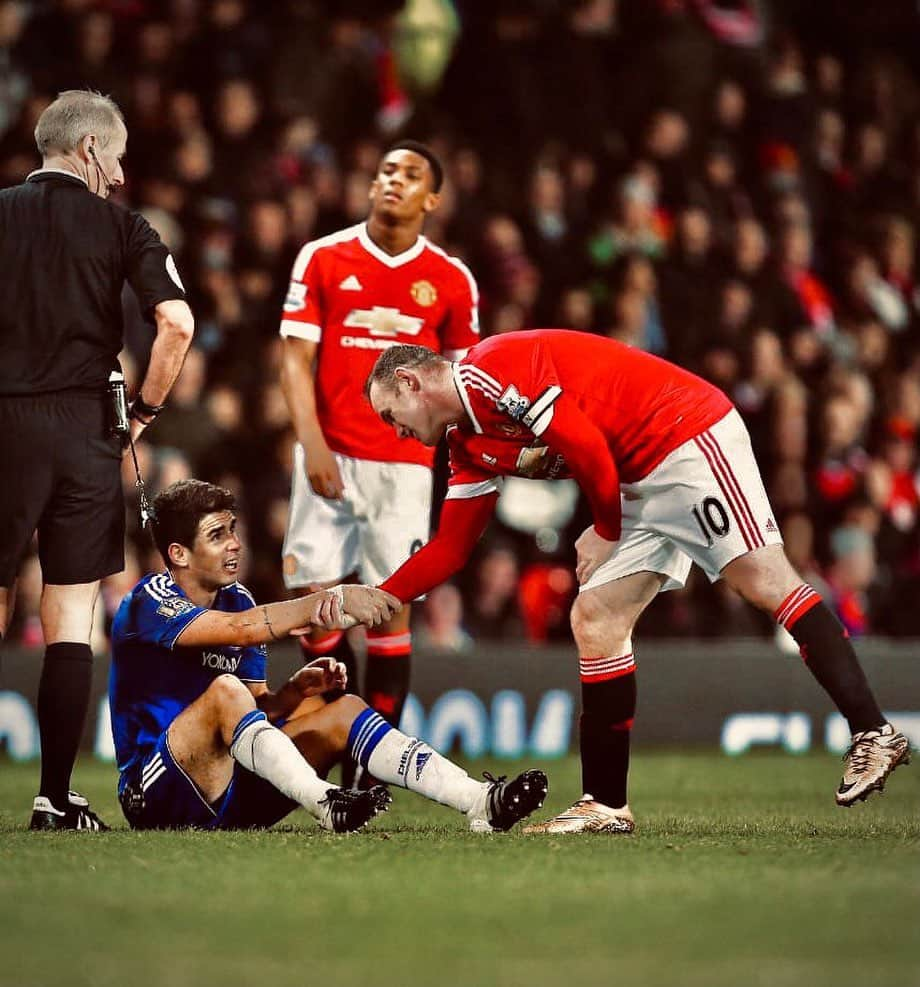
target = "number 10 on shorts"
x: 712, y: 519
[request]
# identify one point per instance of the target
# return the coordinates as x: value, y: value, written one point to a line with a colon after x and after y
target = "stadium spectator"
x: 804, y: 126
x: 441, y: 626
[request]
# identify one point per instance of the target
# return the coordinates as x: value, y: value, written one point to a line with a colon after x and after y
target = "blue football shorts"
x: 156, y: 793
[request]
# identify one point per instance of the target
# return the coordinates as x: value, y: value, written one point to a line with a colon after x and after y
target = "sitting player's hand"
x: 323, y: 471
x: 321, y: 675
x: 323, y: 609
x: 369, y: 605
x: 593, y: 551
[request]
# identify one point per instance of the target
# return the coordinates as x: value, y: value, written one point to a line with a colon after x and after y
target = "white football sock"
x: 272, y: 755
x: 406, y: 761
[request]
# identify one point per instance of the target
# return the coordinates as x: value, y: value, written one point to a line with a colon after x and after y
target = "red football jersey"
x: 355, y: 300
x: 550, y: 403
x: 553, y: 402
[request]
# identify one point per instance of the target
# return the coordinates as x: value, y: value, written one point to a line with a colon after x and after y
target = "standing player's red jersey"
x: 551, y: 403
x: 355, y: 300
x: 580, y: 396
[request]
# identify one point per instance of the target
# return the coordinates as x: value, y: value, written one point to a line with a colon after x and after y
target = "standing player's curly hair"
x: 178, y: 510
x: 404, y: 355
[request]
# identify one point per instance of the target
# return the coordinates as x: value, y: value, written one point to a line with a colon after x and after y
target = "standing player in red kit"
x: 361, y: 499
x: 666, y: 463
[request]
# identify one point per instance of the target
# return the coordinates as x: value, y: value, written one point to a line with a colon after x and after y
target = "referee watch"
x: 143, y: 412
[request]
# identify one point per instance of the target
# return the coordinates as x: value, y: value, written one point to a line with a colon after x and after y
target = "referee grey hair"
x: 73, y: 115
x: 405, y: 355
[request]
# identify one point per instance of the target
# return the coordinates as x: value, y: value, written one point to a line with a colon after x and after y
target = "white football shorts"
x: 704, y: 503
x: 384, y: 517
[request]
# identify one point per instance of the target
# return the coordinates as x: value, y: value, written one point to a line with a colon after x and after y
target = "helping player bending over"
x: 666, y: 463
x: 200, y: 739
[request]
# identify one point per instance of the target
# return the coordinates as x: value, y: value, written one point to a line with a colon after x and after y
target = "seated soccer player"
x: 201, y: 740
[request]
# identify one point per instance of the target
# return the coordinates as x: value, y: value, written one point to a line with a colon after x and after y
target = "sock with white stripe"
x: 397, y: 759
x: 608, y: 701
x: 386, y: 682
x: 826, y: 649
x: 271, y: 754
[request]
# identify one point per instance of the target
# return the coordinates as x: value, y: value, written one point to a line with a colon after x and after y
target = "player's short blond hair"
x: 73, y: 115
x: 405, y: 356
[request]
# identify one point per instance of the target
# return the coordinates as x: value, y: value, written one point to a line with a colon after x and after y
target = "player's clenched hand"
x: 323, y: 470
x: 369, y: 605
x: 592, y: 552
x: 322, y: 609
x: 320, y: 676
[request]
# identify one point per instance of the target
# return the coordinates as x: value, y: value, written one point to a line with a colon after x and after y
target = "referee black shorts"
x: 60, y: 475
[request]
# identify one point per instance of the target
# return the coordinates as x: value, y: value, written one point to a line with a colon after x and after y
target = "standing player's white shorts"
x: 383, y: 518
x: 703, y: 503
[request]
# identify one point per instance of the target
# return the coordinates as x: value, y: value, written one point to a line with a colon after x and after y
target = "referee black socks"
x: 63, y: 698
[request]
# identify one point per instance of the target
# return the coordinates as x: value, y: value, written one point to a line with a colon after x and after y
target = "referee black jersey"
x: 65, y: 254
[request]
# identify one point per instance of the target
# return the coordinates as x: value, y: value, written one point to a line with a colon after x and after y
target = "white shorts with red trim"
x: 383, y: 518
x: 703, y: 503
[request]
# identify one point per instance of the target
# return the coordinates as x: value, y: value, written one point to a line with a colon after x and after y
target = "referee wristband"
x: 143, y: 412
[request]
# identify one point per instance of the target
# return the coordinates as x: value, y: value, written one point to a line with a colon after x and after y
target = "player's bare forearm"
x: 277, y: 705
x: 298, y: 365
x: 315, y: 679
x: 261, y: 624
x: 298, y: 361
x: 175, y: 328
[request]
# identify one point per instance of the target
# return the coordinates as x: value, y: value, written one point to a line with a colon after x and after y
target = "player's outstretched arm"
x: 274, y: 621
x: 462, y: 524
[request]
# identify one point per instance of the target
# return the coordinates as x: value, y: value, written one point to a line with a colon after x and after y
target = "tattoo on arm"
x: 268, y: 624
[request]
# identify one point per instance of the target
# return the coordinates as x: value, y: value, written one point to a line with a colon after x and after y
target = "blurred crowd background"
x: 732, y: 184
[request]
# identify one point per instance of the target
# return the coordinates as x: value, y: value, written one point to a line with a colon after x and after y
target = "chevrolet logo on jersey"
x: 381, y: 321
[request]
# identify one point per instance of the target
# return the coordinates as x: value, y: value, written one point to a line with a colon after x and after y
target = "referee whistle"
x: 118, y: 404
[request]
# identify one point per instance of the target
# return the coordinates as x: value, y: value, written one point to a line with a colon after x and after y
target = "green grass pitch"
x: 743, y: 872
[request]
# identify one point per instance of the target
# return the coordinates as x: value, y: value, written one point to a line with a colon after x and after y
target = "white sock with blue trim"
x: 271, y: 754
x: 397, y: 759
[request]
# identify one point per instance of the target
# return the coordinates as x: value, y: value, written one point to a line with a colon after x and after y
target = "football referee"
x: 65, y: 253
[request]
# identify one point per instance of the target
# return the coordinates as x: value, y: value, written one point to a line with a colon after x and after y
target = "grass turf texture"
x: 743, y: 872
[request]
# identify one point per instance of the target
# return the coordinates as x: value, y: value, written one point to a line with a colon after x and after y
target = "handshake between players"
x: 344, y: 606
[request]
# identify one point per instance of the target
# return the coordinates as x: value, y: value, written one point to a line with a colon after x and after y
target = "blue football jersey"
x: 152, y: 678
